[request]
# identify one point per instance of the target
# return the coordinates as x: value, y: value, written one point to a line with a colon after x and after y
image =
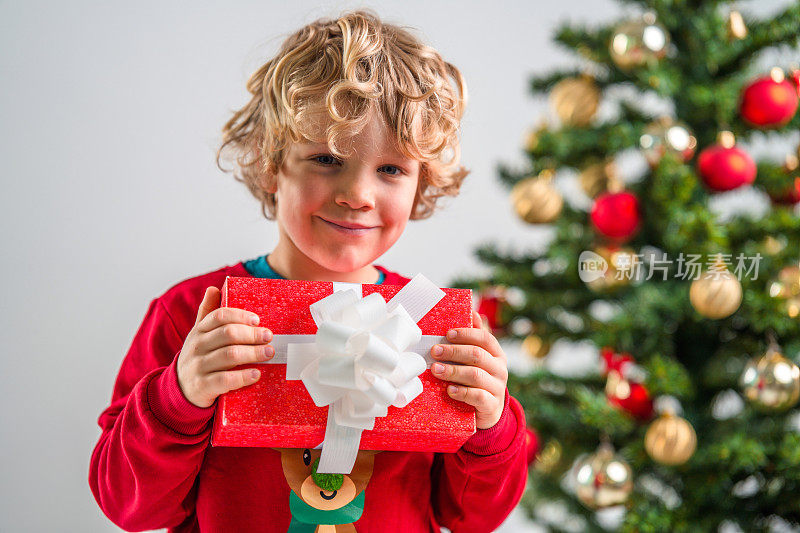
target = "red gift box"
x: 274, y: 412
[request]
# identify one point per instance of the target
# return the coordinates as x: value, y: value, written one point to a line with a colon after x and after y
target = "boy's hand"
x: 221, y: 339
x: 482, y: 374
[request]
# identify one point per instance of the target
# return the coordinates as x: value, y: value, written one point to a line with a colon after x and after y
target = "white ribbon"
x: 358, y: 363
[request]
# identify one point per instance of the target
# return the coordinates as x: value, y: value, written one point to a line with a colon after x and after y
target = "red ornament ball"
x: 612, y: 361
x: 490, y: 306
x: 616, y: 215
x: 790, y: 196
x: 724, y: 169
x: 769, y: 102
x: 631, y: 397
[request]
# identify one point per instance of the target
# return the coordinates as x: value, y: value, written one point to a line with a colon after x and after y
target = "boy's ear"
x: 269, y: 182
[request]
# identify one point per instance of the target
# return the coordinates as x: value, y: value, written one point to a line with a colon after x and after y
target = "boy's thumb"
x: 211, y: 300
x: 480, y: 321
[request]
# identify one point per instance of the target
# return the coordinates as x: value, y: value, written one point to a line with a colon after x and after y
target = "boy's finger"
x: 233, y: 356
x: 226, y: 381
x: 226, y: 315
x: 235, y: 334
x: 477, y: 321
x: 477, y: 337
x: 211, y: 300
x: 470, y: 355
x: 480, y: 399
x: 470, y: 376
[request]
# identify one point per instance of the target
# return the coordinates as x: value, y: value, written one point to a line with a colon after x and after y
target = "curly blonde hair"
x: 346, y: 68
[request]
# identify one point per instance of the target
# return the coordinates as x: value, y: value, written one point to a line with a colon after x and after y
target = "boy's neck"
x: 290, y: 263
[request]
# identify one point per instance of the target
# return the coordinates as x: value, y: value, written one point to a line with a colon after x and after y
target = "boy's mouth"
x: 351, y: 229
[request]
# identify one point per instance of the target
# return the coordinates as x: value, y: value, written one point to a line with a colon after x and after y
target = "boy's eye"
x: 329, y: 160
x: 325, y: 159
x: 391, y: 170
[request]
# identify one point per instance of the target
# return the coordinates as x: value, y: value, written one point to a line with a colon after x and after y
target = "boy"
x: 351, y: 131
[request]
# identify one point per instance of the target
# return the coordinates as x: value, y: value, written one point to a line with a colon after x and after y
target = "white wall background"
x: 111, y: 115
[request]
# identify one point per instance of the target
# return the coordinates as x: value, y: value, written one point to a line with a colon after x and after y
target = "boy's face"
x: 320, y: 199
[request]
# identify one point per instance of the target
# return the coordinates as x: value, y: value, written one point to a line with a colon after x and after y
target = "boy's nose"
x: 356, y: 189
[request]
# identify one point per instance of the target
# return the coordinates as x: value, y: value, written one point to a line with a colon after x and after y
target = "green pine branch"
x: 575, y: 147
x: 781, y: 29
x: 684, y: 354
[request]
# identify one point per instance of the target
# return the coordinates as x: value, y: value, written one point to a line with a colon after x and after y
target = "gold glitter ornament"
x: 792, y: 162
x: 535, y: 346
x: 716, y: 293
x: 787, y: 288
x: 670, y: 440
x: 772, y: 245
x: 600, y: 177
x: 771, y: 382
x: 666, y: 135
x: 535, y: 200
x: 575, y: 100
x: 531, y: 140
x: 548, y: 459
x: 638, y: 42
x: 621, y: 264
x: 603, y: 479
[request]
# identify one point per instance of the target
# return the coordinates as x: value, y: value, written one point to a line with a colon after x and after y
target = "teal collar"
x: 302, y: 512
x: 259, y: 268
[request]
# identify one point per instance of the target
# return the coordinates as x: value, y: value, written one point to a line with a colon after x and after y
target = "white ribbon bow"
x: 357, y: 364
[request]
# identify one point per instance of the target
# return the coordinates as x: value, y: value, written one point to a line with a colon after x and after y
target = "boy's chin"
x: 345, y: 268
x: 344, y: 265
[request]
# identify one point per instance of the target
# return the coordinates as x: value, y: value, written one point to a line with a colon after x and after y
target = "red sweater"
x: 153, y: 466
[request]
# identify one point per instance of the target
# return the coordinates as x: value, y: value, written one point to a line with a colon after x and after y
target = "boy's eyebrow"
x: 396, y: 156
x: 307, y: 144
x: 390, y: 154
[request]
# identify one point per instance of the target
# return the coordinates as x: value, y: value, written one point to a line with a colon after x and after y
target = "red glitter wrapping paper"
x: 274, y: 412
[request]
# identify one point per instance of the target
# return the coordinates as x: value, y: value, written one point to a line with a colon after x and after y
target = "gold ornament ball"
x: 670, y: 440
x: 600, y: 177
x: 535, y: 199
x: 548, y: 459
x: 575, y: 100
x: 787, y: 288
x: 716, y: 294
x: 772, y: 245
x: 535, y: 346
x: 666, y: 135
x: 621, y: 264
x: 791, y: 164
x: 771, y: 382
x: 638, y: 42
x: 531, y: 140
x: 603, y: 479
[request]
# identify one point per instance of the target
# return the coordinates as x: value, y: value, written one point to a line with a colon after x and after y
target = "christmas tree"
x: 689, y: 423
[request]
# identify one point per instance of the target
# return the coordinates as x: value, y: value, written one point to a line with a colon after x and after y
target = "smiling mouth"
x: 325, y: 497
x: 347, y: 231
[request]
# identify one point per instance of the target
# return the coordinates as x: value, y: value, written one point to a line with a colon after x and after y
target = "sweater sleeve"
x: 153, y: 440
x: 476, y: 488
